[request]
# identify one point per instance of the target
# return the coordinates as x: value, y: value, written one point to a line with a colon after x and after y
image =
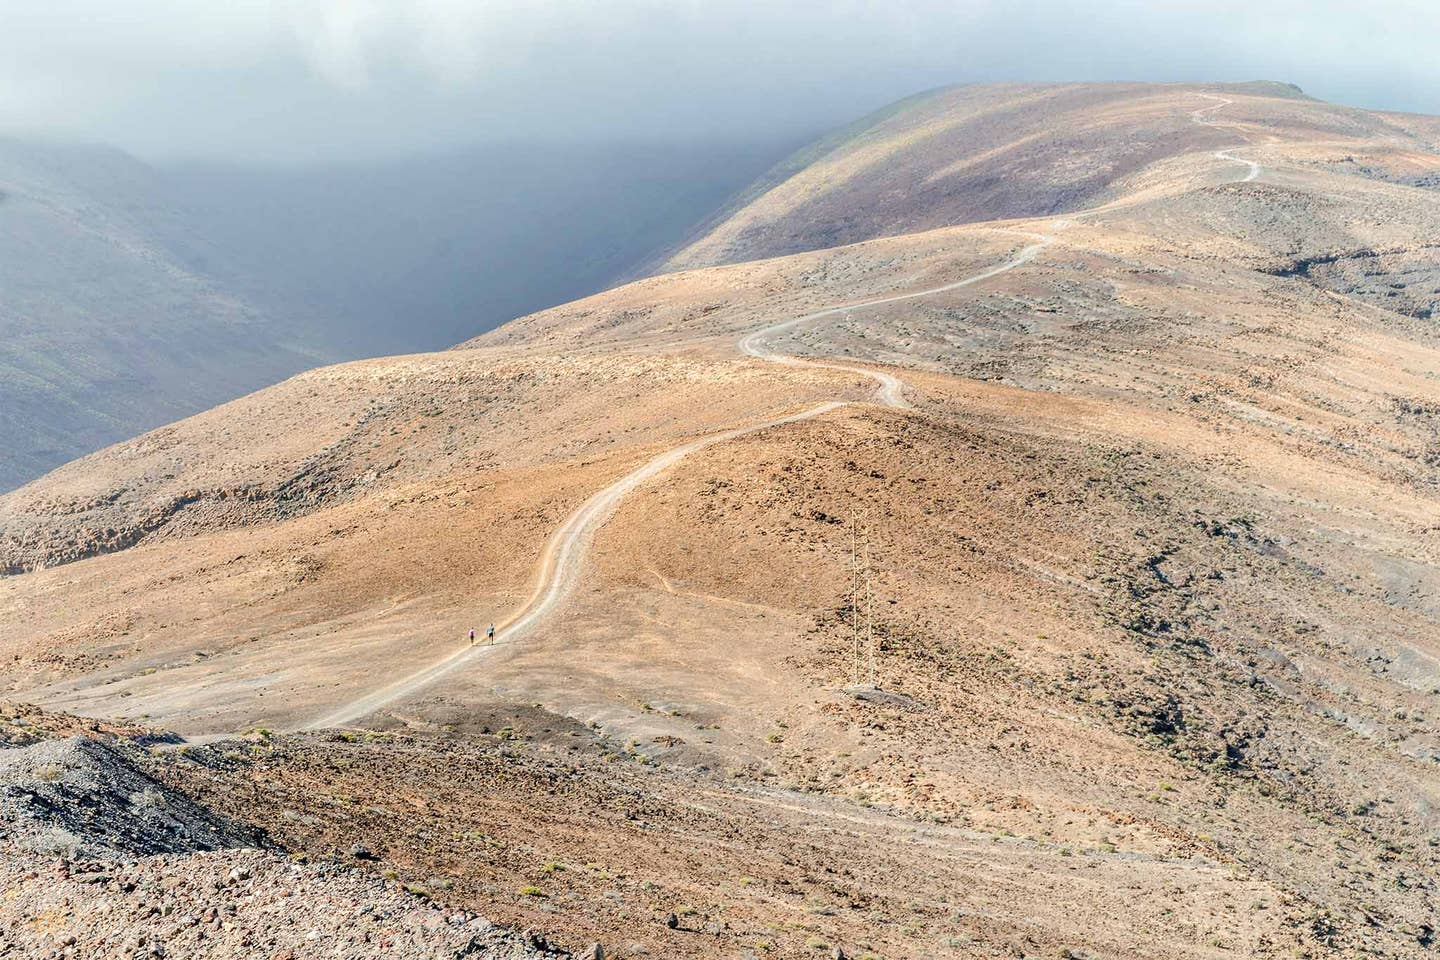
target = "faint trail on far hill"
x: 561, y: 563
x: 1201, y: 117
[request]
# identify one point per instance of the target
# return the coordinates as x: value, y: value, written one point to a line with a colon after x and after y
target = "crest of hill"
x: 972, y: 153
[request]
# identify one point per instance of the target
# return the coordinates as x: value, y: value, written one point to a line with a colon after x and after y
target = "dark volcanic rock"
x: 85, y: 798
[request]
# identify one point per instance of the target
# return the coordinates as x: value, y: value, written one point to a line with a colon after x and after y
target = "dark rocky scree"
x: 82, y: 797
x: 1403, y: 280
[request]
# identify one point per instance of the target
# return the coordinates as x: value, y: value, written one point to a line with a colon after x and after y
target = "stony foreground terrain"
x: 97, y: 859
x: 1150, y: 511
x: 232, y: 904
x: 547, y: 826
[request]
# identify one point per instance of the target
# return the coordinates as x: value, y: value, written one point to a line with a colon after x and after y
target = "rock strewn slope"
x: 231, y: 905
x: 79, y: 797
x: 1156, y: 580
x: 98, y: 859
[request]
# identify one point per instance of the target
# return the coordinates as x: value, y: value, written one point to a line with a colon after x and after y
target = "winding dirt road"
x: 562, y: 562
x: 1202, y: 117
x: 559, y: 569
x: 891, y: 390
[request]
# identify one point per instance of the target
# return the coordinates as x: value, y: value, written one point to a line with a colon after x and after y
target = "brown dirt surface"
x: 22, y: 724
x: 1154, y: 562
x: 548, y: 825
x: 99, y: 857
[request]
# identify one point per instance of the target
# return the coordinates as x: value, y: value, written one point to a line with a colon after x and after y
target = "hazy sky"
x: 269, y: 80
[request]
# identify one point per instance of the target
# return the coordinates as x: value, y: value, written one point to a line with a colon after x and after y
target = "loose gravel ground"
x: 80, y: 797
x: 97, y: 859
x: 228, y: 904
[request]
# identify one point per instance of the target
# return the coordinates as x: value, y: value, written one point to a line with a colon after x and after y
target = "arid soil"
x: 100, y: 859
x: 1153, y: 546
x: 548, y: 825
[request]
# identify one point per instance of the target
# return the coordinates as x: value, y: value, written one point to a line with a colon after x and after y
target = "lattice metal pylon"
x: 869, y: 612
x: 855, y: 599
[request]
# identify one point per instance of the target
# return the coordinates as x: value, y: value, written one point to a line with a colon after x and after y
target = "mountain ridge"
x: 138, y: 293
x: 746, y: 229
x: 1142, y: 505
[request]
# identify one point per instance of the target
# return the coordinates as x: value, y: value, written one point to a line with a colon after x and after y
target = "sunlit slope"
x: 1155, y: 571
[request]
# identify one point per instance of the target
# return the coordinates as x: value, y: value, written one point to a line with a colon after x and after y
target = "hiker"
x: 492, y: 633
x: 472, y: 636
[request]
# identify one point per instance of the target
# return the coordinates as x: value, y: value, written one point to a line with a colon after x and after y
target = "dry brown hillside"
x: 1151, y: 512
x: 994, y: 152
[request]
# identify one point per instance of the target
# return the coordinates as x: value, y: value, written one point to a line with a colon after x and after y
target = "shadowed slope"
x: 105, y: 331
